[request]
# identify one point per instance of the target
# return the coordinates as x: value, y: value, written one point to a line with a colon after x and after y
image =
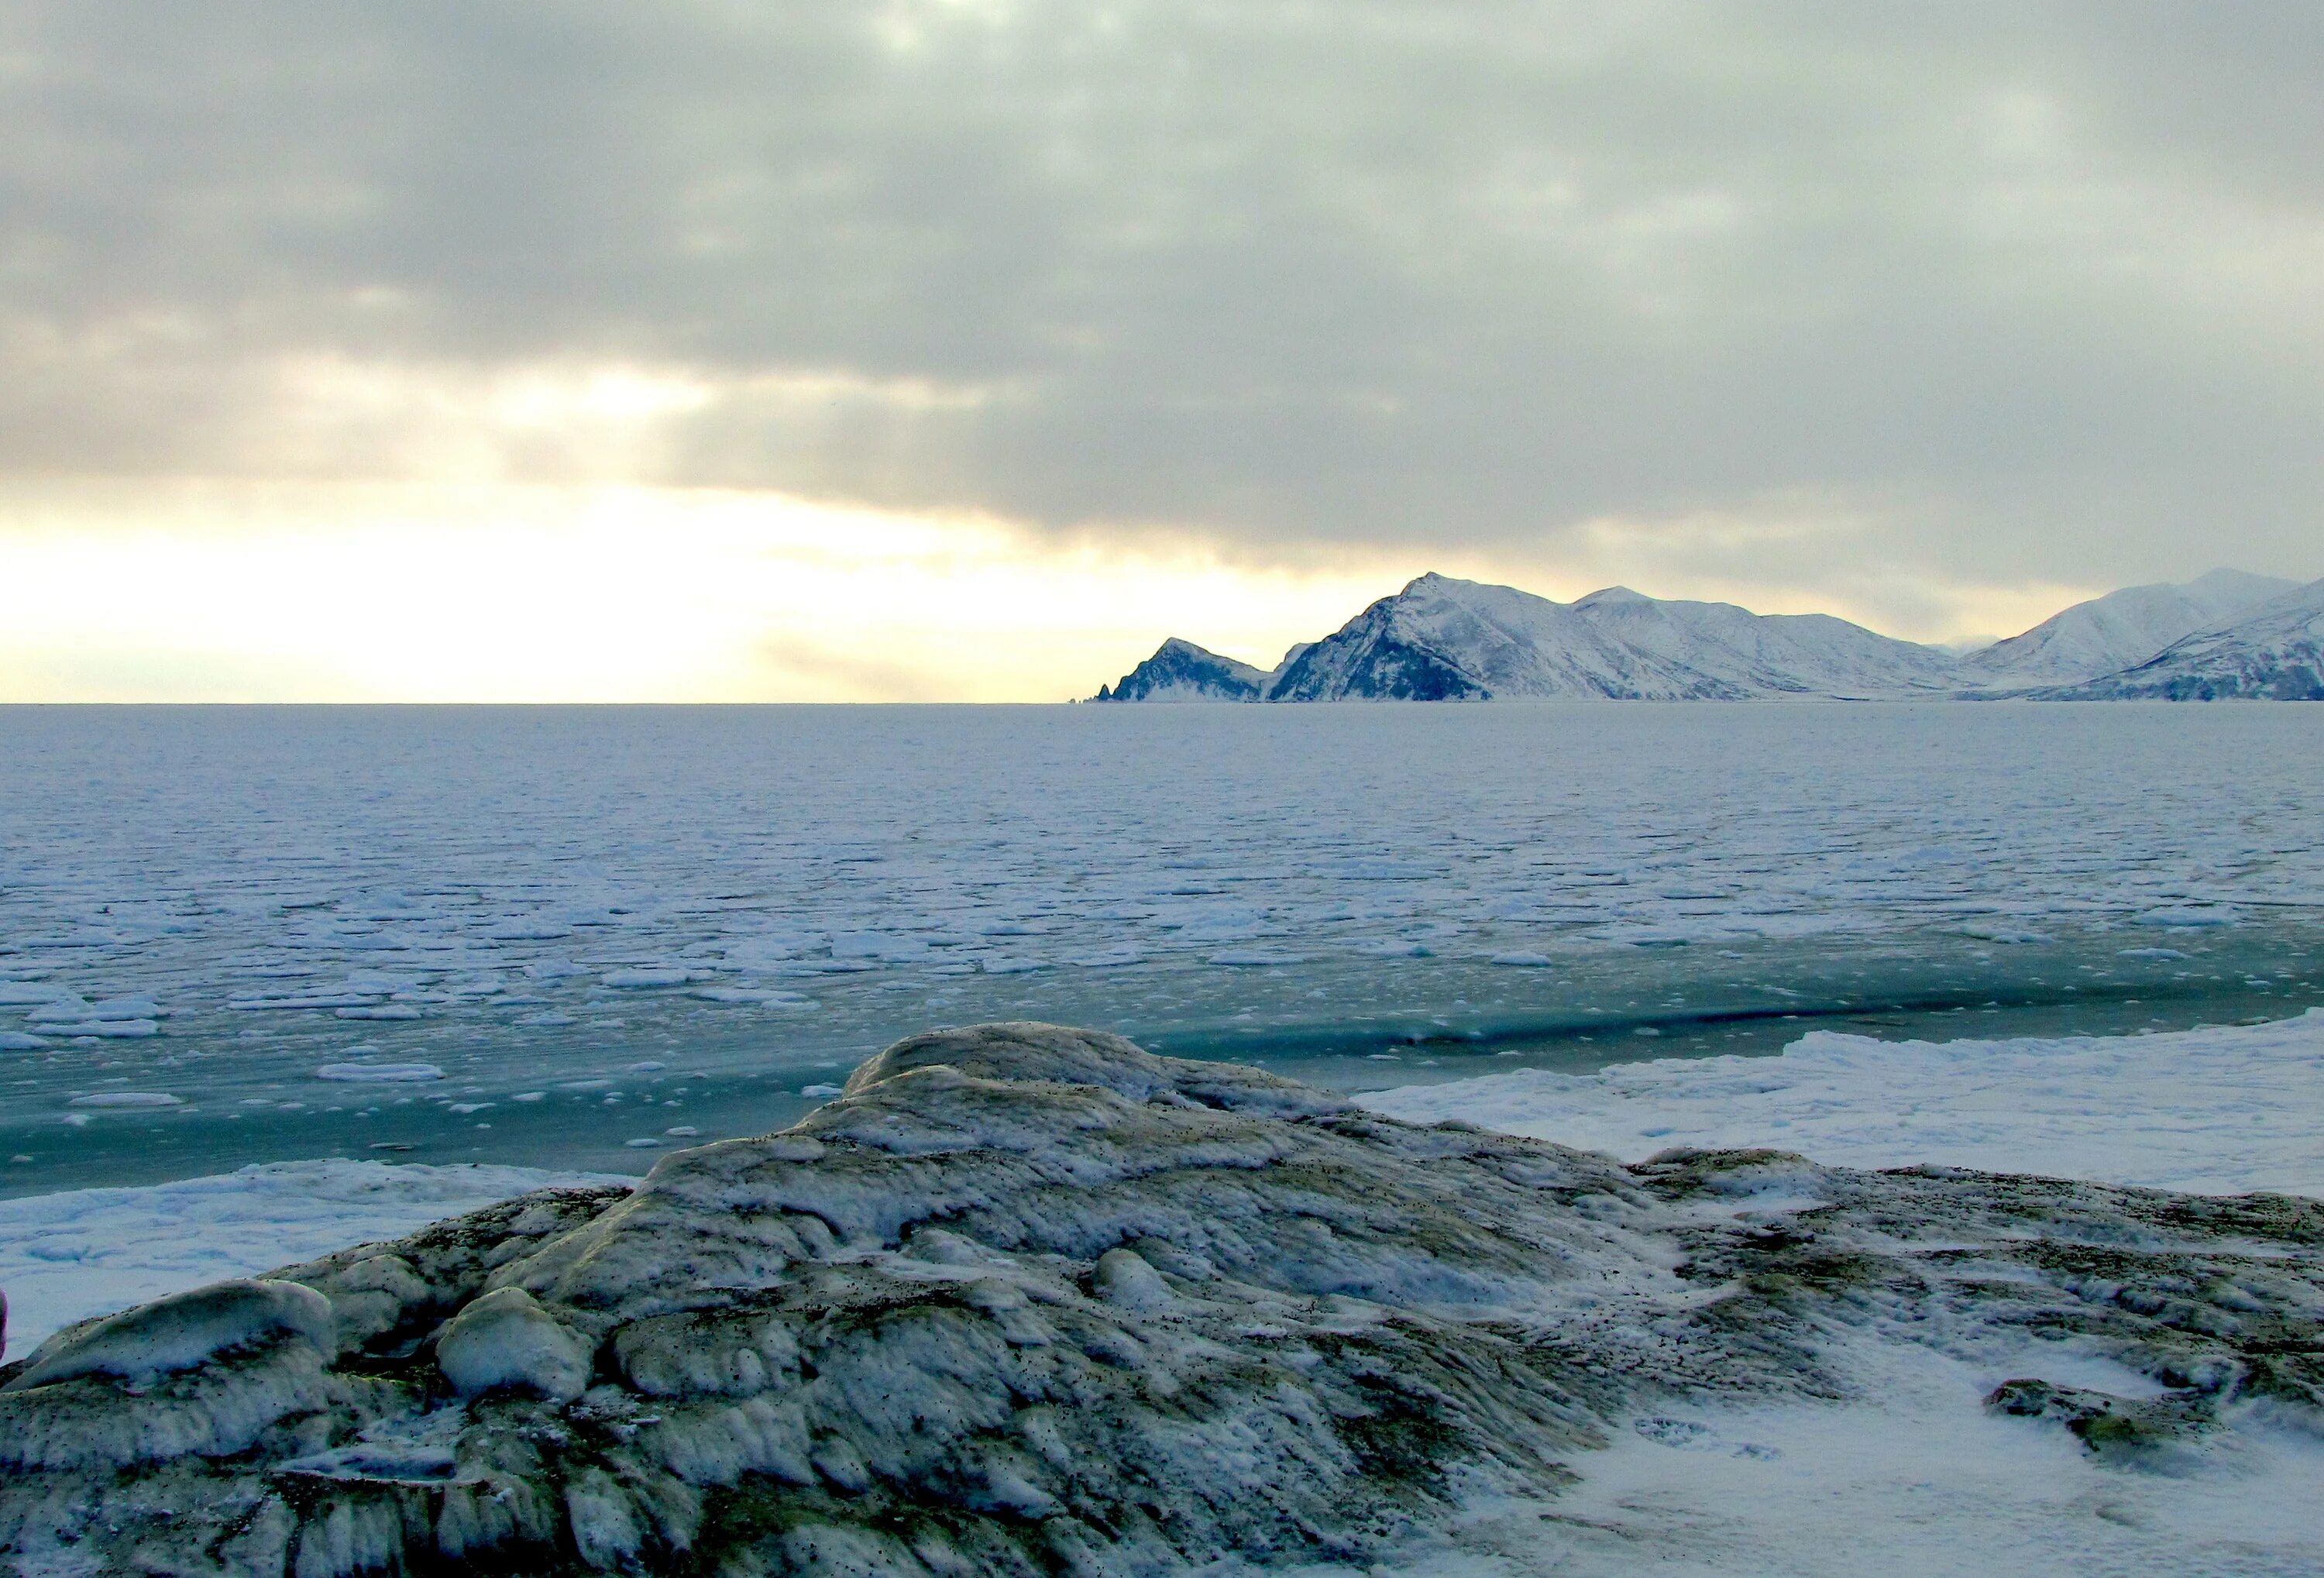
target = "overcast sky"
x: 1125, y: 317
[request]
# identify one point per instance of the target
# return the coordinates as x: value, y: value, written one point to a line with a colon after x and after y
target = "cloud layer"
x: 1807, y: 294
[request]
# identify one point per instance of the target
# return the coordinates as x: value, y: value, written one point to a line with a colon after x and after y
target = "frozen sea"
x: 569, y: 938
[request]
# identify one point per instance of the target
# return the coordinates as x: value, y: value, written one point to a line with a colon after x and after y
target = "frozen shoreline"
x: 1906, y: 1463
x: 2218, y: 1110
x: 82, y: 1252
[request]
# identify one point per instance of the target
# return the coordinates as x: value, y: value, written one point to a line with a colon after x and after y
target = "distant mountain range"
x: 2225, y: 635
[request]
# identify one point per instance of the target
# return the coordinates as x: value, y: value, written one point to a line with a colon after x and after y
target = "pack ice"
x: 1027, y: 1300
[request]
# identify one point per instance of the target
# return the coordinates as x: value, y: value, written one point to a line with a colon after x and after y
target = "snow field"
x: 2218, y: 1110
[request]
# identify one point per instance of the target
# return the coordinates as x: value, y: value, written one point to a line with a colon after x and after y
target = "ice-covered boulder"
x: 182, y: 1330
x: 505, y: 1340
x: 1026, y: 1300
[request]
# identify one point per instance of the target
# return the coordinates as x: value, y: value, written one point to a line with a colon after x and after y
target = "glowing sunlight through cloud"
x: 407, y: 592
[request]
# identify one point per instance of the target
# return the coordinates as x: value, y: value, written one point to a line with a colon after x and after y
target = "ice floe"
x: 367, y: 1073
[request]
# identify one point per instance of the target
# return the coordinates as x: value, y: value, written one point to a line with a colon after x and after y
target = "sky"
x: 963, y: 350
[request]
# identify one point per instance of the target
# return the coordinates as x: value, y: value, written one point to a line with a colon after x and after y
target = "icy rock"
x: 182, y: 1330
x: 2143, y: 1431
x: 506, y: 1340
x: 1125, y: 1277
x: 710, y: 1353
x: 209, y: 1371
x: 1026, y: 1300
x: 1053, y: 1053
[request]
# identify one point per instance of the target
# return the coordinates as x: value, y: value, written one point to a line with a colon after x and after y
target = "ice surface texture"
x: 1028, y: 1300
x: 812, y: 883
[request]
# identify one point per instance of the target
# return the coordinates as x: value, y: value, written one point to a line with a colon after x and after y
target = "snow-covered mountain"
x: 1444, y: 640
x: 1182, y: 671
x: 1441, y: 639
x: 2274, y: 653
x: 2118, y: 631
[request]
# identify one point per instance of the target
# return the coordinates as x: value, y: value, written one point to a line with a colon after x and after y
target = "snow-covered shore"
x: 2218, y: 1110
x: 1752, y: 1365
x: 82, y: 1252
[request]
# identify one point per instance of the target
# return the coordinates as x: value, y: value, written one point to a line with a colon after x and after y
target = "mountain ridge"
x: 1444, y: 639
x: 2274, y: 653
x: 2121, y: 630
x: 1181, y: 671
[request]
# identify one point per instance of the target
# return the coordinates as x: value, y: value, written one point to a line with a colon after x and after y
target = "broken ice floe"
x: 380, y: 1073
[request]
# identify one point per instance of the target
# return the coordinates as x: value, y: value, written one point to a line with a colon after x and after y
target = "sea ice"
x: 268, y: 871
x: 380, y: 1073
x: 644, y: 976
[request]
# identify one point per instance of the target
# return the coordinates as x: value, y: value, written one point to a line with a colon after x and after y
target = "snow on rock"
x: 2274, y: 652
x: 506, y: 1340
x: 1442, y: 639
x: 2118, y: 631
x: 84, y: 1253
x: 209, y: 1371
x: 1028, y: 1300
x: 182, y: 1330
x: 1179, y: 670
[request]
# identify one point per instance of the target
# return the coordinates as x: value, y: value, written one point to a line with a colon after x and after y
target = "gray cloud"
x: 2015, y: 290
